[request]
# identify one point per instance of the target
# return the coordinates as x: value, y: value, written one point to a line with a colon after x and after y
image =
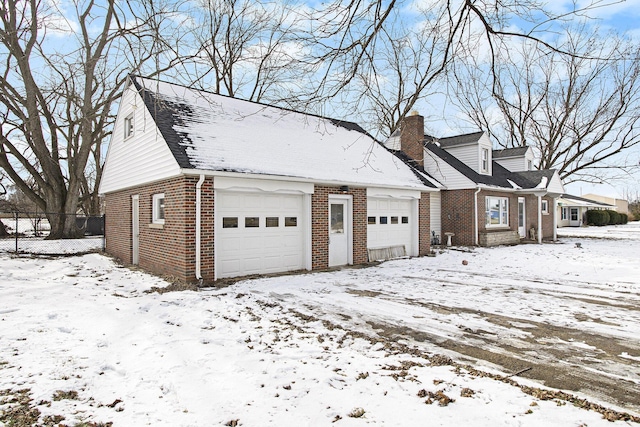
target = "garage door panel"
x: 262, y: 249
x: 394, y: 232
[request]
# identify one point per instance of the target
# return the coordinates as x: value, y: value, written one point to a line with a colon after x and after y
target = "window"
x: 158, y: 208
x: 565, y: 214
x: 230, y: 222
x: 545, y: 207
x: 251, y: 222
x: 485, y: 160
x: 383, y: 220
x: 394, y: 220
x: 128, y: 126
x: 529, y: 165
x: 371, y: 220
x: 272, y: 221
x: 290, y: 221
x: 497, y: 211
x: 405, y: 220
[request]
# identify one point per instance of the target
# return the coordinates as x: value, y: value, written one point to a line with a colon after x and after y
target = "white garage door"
x: 258, y: 233
x: 390, y: 223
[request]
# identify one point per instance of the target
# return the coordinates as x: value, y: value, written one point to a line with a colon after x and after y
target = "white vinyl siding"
x: 435, y: 212
x: 142, y: 158
x: 445, y: 174
x: 471, y: 154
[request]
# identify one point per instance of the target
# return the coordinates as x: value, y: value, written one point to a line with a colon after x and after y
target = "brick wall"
x: 412, y: 137
x: 168, y: 250
x: 424, y: 224
x: 458, y: 216
x: 320, y: 225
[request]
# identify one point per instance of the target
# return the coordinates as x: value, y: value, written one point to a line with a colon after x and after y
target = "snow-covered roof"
x: 210, y: 132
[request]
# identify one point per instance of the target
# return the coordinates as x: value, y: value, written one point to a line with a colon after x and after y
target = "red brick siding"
x: 412, y: 137
x: 458, y: 216
x: 320, y: 225
x: 424, y: 224
x: 170, y: 250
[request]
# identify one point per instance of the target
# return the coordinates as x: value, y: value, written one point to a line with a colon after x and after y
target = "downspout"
x: 198, y: 225
x: 555, y: 219
x: 475, y: 210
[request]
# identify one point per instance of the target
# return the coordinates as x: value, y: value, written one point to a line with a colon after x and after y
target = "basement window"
x: 158, y: 208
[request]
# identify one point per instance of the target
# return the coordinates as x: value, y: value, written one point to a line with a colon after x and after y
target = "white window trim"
x: 484, y: 159
x: 129, y: 130
x: 545, y: 207
x: 156, y: 208
x: 487, y: 211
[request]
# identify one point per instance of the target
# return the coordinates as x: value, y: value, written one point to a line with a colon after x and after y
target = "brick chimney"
x: 412, y: 137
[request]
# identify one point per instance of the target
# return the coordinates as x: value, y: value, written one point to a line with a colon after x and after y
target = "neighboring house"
x: 484, y: 201
x: 621, y: 205
x: 572, y: 210
x: 201, y: 186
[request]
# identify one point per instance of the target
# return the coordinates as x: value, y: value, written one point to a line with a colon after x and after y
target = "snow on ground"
x: 310, y: 349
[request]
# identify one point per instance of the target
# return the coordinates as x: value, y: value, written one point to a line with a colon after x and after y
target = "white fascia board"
x: 392, y: 193
x: 209, y: 173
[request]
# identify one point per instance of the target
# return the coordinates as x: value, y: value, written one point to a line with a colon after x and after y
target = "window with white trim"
x: 485, y: 160
x: 565, y: 214
x: 545, y: 207
x: 128, y: 126
x: 497, y: 211
x: 158, y: 208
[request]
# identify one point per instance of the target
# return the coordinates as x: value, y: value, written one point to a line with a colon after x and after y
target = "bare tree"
x: 579, y: 111
x: 62, y: 72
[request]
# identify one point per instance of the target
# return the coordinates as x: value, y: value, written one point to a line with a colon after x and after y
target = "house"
x: 573, y: 209
x: 621, y: 205
x: 488, y: 197
x: 200, y: 186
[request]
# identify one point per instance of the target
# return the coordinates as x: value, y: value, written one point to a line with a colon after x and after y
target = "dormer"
x: 517, y: 159
x: 472, y: 149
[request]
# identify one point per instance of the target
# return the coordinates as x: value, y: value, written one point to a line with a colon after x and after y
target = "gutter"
x: 198, y: 225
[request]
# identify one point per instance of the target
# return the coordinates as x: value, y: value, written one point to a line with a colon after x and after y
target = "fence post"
x: 16, y: 232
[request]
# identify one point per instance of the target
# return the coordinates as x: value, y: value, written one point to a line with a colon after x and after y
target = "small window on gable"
x: 128, y: 126
x: 545, y: 206
x: 485, y: 160
x: 529, y: 165
x: 157, y: 208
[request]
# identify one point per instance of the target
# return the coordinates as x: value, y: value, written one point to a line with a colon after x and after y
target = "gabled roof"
x: 501, y: 178
x: 510, y: 152
x: 452, y: 141
x: 582, y: 201
x: 211, y: 132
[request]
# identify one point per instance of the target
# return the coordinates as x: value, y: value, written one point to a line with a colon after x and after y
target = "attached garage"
x: 260, y: 232
x: 391, y: 225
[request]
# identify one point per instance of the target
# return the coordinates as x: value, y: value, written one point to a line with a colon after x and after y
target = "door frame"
x: 522, y: 229
x: 577, y: 221
x: 348, y: 223
x: 135, y: 229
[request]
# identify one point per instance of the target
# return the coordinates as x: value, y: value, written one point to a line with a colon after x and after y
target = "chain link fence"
x: 27, y: 232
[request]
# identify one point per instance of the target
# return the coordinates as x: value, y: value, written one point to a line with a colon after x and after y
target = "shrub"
x: 624, y: 218
x: 597, y: 217
x: 614, y: 217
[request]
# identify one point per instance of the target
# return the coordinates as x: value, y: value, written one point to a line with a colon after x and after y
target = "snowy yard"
x: 83, y: 340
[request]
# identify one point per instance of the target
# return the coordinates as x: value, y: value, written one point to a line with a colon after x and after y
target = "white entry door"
x: 574, y: 217
x: 135, y: 230
x: 522, y: 229
x: 339, y: 231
